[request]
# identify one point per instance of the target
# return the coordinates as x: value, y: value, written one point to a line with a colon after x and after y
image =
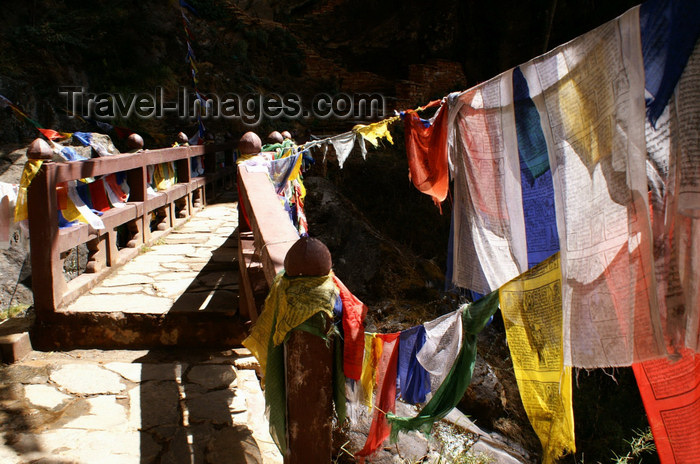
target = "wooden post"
x: 309, y: 381
x: 308, y: 362
x: 48, y: 284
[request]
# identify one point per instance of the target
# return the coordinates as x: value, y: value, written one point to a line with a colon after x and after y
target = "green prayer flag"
x: 474, y: 319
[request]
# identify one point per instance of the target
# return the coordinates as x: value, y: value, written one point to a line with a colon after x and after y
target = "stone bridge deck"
x: 178, y: 403
x: 193, y: 269
x: 182, y: 291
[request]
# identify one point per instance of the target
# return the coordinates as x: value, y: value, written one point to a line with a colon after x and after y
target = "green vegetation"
x: 607, y: 411
x: 13, y: 311
x: 641, y: 444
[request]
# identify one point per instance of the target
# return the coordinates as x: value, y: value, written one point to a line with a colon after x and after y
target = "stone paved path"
x: 191, y: 269
x: 130, y: 407
x: 138, y: 407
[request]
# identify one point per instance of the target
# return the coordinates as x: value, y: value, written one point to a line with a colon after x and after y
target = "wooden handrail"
x: 49, y: 244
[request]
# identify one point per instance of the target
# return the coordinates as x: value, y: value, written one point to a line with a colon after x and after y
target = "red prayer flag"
x: 354, y: 312
x: 386, y: 396
x: 50, y: 134
x: 98, y: 195
x: 671, y: 395
x: 111, y: 181
x: 426, y: 148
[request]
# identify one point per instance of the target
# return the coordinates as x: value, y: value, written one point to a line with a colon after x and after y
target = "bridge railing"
x: 50, y: 244
x: 262, y: 244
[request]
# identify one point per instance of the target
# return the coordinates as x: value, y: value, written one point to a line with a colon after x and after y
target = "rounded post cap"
x: 274, y: 137
x: 134, y: 142
x: 249, y: 144
x: 182, y: 138
x: 308, y: 257
x: 39, y: 150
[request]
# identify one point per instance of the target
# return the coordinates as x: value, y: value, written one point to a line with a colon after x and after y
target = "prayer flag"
x: 474, y: 318
x: 670, y: 390
x: 386, y: 395
x: 413, y: 379
x: 535, y: 176
x: 290, y: 303
x: 50, y: 134
x: 426, y: 148
x: 593, y: 122
x: 490, y: 244
x: 368, y: 378
x: 354, y: 312
x: 532, y: 315
x: 31, y: 169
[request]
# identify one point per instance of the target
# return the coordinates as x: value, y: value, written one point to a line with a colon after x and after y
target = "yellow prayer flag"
x: 375, y: 131
x: 291, y: 302
x: 368, y: 378
x: 31, y: 169
x: 531, y: 305
x: 296, y: 170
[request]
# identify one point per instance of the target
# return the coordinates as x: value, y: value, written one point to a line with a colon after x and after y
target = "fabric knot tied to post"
x: 292, y: 302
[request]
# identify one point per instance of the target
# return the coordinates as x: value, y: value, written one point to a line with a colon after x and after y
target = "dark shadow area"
x: 19, y: 419
x: 215, y: 289
x: 191, y: 408
x: 207, y: 312
x: 192, y: 411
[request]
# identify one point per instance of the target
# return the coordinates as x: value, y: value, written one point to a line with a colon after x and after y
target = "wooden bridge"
x: 187, y: 274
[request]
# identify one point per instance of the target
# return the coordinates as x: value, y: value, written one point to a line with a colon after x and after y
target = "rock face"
x: 369, y: 264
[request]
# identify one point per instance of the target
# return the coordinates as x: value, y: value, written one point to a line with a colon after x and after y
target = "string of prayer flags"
x: 532, y: 316
x: 474, y: 318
